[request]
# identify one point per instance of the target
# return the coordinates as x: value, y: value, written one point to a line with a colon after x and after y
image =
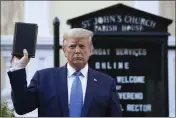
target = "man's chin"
x: 79, y: 64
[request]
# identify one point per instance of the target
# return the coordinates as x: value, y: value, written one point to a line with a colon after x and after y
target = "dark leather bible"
x: 25, y: 37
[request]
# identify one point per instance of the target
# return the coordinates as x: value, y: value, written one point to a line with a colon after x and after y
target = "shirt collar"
x: 71, y: 70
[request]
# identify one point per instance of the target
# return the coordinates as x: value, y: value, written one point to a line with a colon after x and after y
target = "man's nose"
x: 77, y: 49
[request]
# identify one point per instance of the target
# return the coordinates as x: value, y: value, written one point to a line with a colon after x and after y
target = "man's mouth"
x: 78, y: 58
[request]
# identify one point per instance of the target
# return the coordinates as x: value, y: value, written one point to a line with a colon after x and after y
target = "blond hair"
x: 78, y: 33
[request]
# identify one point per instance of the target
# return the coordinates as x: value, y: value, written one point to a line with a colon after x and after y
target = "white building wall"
x: 65, y: 10
x: 38, y: 12
x: 148, y: 6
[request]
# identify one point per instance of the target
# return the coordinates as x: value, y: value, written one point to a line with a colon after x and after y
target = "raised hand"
x: 22, y: 62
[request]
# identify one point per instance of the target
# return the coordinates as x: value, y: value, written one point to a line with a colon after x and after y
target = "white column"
x: 38, y: 12
x: 148, y: 6
x: 171, y: 77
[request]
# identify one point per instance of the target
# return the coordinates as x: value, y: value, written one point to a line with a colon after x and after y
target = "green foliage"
x: 5, y: 111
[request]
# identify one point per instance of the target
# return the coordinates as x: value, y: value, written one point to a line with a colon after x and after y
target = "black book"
x: 25, y: 37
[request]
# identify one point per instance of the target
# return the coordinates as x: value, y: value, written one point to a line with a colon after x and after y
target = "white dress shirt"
x: 71, y: 77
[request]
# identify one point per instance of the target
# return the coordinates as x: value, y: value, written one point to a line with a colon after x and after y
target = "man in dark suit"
x: 72, y: 90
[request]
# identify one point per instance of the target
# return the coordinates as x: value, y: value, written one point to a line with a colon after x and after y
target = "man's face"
x: 77, y: 51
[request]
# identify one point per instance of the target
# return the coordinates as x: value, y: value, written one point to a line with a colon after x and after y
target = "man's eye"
x: 81, y: 46
x: 72, y: 46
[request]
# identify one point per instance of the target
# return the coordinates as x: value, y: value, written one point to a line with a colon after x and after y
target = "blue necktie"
x: 76, y: 97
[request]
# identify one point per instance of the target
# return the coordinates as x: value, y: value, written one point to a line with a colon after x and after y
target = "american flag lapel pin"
x: 95, y: 80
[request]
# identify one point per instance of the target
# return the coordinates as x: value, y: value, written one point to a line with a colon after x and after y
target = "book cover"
x: 25, y: 37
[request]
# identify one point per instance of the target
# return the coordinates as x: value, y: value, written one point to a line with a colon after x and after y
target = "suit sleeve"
x: 25, y: 99
x: 114, y: 103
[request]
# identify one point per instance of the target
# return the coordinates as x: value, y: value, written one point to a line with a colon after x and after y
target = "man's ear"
x: 65, y: 52
x: 91, y: 52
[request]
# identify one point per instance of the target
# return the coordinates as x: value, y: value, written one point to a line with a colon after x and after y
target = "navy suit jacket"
x: 48, y: 92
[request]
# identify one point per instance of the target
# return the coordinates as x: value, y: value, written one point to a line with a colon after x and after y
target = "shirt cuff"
x: 15, y: 68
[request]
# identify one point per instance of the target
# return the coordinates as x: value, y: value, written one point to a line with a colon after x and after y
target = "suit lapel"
x: 62, y: 88
x: 89, y: 93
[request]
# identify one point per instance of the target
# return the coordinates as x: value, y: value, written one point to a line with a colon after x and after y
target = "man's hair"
x: 78, y: 33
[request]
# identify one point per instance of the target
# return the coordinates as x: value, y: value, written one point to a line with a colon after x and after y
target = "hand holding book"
x: 24, y: 44
x: 19, y: 63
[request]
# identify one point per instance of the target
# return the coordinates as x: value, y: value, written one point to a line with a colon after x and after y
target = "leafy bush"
x: 5, y: 111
